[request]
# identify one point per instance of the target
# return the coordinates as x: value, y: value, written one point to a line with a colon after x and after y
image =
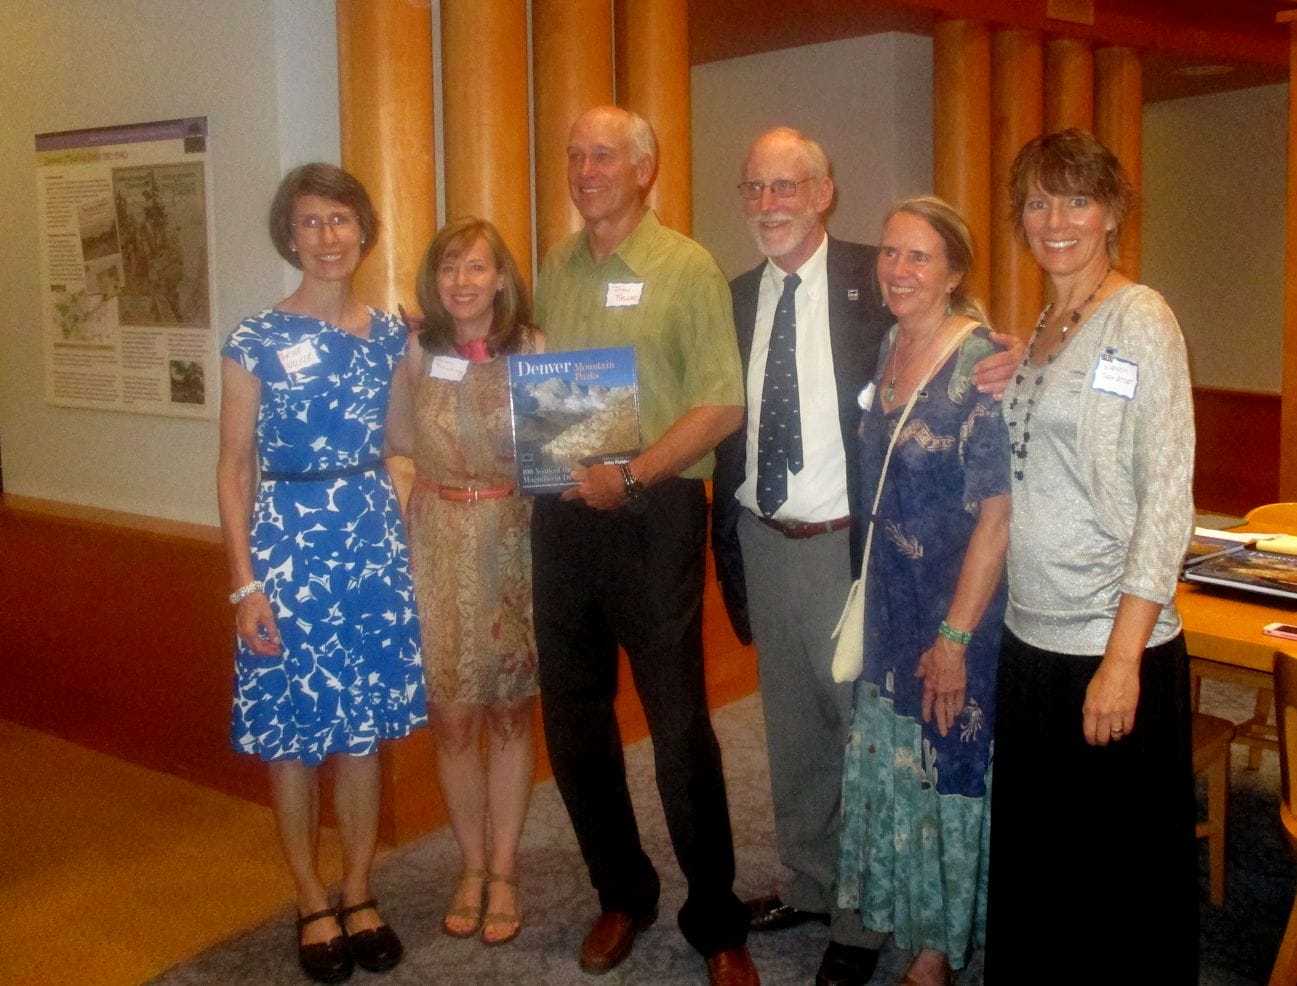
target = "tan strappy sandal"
x: 502, y: 919
x: 470, y: 914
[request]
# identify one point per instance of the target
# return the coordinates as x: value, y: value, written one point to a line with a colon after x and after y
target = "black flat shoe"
x: 376, y: 949
x: 324, y: 962
x: 846, y: 965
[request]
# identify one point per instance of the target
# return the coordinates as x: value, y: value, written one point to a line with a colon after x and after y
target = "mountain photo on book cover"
x: 570, y: 409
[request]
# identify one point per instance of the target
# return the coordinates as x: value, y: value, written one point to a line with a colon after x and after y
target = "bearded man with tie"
x: 787, y: 529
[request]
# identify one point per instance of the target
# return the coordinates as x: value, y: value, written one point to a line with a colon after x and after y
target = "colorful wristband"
x: 963, y: 637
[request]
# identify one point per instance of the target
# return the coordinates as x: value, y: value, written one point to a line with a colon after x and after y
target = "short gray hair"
x: 817, y: 162
x: 641, y: 138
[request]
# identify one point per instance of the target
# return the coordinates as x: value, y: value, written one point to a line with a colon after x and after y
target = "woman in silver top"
x: 1092, y: 848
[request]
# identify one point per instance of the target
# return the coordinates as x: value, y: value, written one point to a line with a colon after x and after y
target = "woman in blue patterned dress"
x: 328, y: 660
x: 915, y: 786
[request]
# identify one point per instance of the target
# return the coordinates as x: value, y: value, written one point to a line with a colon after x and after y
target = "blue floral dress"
x: 915, y: 828
x: 331, y: 551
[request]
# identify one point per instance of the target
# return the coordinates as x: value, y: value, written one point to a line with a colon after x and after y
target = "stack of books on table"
x: 1265, y: 563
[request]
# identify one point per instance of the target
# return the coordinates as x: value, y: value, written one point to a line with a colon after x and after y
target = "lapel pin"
x: 853, y: 294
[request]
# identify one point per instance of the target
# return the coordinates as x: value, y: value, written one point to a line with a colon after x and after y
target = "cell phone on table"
x: 1285, y: 630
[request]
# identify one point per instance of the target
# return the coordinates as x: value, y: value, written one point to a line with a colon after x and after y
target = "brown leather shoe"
x: 732, y: 967
x: 610, y: 940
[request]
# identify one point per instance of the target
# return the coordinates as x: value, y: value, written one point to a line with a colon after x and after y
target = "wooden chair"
x: 1212, y: 736
x: 1256, y: 733
x: 1285, y: 686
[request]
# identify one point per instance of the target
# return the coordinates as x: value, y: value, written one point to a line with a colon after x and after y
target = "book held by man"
x: 574, y: 408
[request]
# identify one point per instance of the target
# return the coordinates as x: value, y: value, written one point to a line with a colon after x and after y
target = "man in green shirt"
x: 619, y: 558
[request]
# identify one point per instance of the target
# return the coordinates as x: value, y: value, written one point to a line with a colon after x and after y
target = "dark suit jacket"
x: 857, y: 323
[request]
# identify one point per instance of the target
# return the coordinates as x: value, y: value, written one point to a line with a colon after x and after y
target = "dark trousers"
x: 1094, y: 864
x: 607, y: 577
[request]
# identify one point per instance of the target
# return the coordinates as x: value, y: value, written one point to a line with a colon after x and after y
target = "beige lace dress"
x: 471, y: 560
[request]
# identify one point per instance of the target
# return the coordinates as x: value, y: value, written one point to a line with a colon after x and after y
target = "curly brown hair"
x: 1073, y: 162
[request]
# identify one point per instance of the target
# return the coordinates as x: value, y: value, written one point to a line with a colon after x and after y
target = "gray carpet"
x: 415, y: 882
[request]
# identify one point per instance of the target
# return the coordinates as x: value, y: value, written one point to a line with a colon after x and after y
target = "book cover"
x: 572, y: 409
x: 1250, y: 571
x: 1207, y: 544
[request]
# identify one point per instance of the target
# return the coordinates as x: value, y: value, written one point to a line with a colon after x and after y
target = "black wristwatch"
x: 636, y: 500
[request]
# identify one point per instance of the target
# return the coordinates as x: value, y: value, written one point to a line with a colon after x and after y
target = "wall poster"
x: 126, y: 285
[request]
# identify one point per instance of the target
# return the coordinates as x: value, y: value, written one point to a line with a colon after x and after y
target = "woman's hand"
x: 944, y: 680
x: 1113, y: 694
x: 1110, y: 701
x: 255, y: 623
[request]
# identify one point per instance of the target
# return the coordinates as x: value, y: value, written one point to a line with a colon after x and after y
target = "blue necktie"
x: 779, y: 430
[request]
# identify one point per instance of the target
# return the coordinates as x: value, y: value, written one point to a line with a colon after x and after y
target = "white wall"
x: 867, y: 100
x: 265, y: 76
x: 1214, y: 201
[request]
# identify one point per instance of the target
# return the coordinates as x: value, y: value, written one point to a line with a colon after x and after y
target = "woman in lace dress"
x: 471, y: 556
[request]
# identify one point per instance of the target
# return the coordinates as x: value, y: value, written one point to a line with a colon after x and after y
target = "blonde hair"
x: 958, y: 241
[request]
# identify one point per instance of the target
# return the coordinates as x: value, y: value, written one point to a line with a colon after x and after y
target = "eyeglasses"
x: 783, y: 188
x: 335, y: 219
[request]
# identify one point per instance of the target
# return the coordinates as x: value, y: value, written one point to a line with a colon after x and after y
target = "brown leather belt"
x: 466, y: 494
x: 804, y: 528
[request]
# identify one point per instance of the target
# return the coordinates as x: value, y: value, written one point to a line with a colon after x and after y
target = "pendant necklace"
x: 1018, y: 447
x: 889, y: 394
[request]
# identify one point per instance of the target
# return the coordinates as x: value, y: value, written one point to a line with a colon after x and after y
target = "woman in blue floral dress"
x: 328, y: 660
x: 913, y: 846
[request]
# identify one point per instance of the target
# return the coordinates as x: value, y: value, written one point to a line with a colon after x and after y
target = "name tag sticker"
x: 623, y: 294
x: 299, y: 357
x: 450, y: 368
x: 866, y: 396
x: 1115, y: 375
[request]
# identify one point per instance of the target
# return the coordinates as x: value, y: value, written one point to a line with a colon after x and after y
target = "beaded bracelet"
x: 244, y: 591
x: 963, y: 637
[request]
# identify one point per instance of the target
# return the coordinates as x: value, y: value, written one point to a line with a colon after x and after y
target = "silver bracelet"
x: 244, y: 591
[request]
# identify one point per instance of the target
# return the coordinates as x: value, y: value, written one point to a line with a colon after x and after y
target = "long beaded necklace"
x: 1018, y: 448
x: 889, y: 395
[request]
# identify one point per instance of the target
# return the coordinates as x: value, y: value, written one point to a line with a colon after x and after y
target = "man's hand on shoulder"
x: 600, y: 486
x: 993, y: 374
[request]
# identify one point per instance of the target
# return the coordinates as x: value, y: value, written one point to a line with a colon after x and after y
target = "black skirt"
x: 1094, y: 863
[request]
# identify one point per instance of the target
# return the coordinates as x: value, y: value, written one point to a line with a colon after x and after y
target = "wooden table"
x: 1222, y: 630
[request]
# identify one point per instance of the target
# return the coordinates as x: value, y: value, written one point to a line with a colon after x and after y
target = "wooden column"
x: 385, y: 90
x: 485, y: 118
x: 1017, y: 109
x: 1288, y: 413
x: 1119, y: 123
x: 1069, y: 84
x: 572, y: 50
x: 385, y: 103
x: 653, y: 80
x: 961, y: 145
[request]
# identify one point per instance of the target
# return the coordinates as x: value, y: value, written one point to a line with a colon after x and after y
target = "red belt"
x: 804, y: 528
x: 466, y: 494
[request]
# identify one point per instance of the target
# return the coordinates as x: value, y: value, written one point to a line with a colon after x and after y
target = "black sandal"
x: 324, y: 962
x: 376, y: 949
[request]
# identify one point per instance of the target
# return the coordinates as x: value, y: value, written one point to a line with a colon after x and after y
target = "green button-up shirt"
x: 662, y: 293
